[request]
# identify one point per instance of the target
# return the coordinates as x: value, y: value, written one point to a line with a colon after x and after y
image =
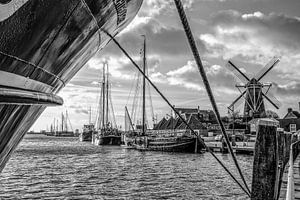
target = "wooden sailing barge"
x: 107, y: 133
x: 182, y: 144
x: 150, y: 140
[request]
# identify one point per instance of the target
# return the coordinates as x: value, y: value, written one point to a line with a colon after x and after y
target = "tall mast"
x: 54, y: 127
x: 66, y: 121
x: 103, y: 97
x: 107, y: 87
x: 144, y: 86
x: 62, y: 122
x: 90, y: 115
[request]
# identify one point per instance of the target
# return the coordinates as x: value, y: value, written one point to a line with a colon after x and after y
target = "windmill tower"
x: 253, y: 91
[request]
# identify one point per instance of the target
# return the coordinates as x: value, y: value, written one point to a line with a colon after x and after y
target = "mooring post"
x: 265, y: 161
x: 196, y: 144
x: 284, y: 141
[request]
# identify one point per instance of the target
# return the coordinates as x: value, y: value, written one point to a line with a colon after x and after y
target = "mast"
x: 62, y: 122
x: 103, y: 97
x: 90, y: 115
x: 107, y: 87
x: 54, y: 127
x: 66, y: 121
x: 144, y: 85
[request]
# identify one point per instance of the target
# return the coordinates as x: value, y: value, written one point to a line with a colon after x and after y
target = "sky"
x: 248, y: 32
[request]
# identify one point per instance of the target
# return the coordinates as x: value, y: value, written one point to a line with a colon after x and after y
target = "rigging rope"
x: 171, y: 106
x: 197, y: 58
x: 131, y: 88
x: 178, y: 2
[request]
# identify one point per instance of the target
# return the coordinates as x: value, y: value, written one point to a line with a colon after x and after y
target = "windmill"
x: 253, y: 91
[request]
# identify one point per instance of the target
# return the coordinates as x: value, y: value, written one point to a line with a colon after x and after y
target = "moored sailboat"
x: 107, y: 133
x: 152, y: 140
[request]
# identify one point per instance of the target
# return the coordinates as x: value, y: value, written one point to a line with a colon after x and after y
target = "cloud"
x: 188, y: 76
x: 155, y: 8
x: 291, y: 89
x: 161, y: 40
x: 254, y: 37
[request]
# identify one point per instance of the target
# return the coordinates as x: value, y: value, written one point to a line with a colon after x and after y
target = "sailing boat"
x: 107, y: 133
x: 151, y: 140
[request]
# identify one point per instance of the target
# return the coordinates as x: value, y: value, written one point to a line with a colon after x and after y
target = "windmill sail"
x: 237, y: 102
x: 271, y: 98
x: 237, y: 72
x: 267, y: 68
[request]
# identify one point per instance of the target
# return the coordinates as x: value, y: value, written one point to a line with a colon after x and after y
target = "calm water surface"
x: 63, y: 168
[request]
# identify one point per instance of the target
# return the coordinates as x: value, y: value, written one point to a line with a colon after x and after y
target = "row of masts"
x: 61, y: 125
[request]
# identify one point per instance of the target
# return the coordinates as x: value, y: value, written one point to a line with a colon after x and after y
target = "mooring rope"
x: 197, y: 58
x: 172, y: 107
x: 247, y: 191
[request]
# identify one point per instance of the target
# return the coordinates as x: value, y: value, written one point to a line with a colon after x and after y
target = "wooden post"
x: 290, y: 184
x: 284, y: 142
x: 265, y: 161
x: 196, y: 144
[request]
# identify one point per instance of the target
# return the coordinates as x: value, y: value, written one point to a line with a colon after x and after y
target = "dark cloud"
x: 161, y: 40
x: 276, y: 29
x: 289, y: 90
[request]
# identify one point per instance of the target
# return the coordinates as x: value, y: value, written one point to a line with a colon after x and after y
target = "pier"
x: 296, y: 177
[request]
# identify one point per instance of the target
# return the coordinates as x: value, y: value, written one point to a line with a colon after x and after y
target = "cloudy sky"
x: 249, y: 32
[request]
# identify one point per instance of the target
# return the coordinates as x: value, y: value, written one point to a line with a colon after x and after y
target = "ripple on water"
x: 63, y: 168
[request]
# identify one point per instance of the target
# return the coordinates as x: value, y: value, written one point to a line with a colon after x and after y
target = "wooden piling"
x: 284, y: 142
x: 265, y: 161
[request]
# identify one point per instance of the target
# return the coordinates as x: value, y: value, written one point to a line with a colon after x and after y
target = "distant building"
x: 291, y: 121
x: 207, y: 116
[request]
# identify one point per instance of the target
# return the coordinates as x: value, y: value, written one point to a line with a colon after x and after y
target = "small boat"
x: 245, y: 147
x: 87, y: 133
x: 88, y: 130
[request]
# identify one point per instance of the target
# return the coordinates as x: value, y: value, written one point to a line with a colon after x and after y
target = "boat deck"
x: 296, y: 180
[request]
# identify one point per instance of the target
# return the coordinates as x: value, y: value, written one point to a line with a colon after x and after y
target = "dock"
x: 296, y: 169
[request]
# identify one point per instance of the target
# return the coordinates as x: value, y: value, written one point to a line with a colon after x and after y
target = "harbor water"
x: 46, y: 167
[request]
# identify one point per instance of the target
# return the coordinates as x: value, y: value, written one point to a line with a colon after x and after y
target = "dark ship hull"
x: 43, y: 44
x: 107, y: 137
x: 110, y: 140
x: 168, y: 144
